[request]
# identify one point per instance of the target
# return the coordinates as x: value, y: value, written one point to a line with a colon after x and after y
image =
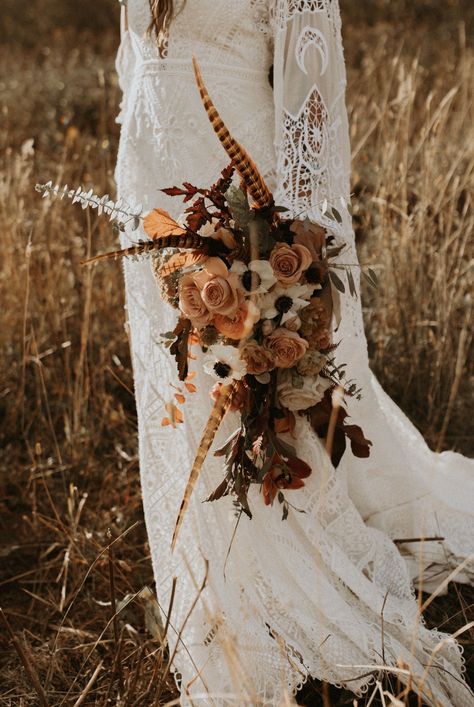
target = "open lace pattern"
x: 326, y: 592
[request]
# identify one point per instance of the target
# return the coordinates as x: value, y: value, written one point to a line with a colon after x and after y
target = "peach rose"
x: 258, y: 359
x: 300, y: 392
x: 289, y: 262
x: 191, y: 303
x: 241, y: 325
x: 286, y: 346
x: 218, y: 288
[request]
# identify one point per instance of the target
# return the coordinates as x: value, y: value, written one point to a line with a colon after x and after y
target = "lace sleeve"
x: 124, y: 63
x: 311, y: 137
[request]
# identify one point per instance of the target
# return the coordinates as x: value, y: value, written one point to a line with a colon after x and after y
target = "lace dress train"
x: 327, y: 592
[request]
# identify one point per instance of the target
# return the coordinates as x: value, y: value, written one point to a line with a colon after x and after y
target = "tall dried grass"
x: 413, y: 151
x: 69, y: 472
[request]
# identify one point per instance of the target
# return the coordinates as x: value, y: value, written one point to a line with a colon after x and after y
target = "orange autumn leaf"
x: 165, y: 422
x: 175, y: 414
x: 158, y: 223
x: 179, y: 261
x: 190, y: 387
x: 190, y: 376
x: 180, y: 398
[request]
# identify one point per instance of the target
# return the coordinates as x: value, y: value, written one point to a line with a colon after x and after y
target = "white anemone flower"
x: 257, y: 277
x: 286, y: 301
x: 224, y: 363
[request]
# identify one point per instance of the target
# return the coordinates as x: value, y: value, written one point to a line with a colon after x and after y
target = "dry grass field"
x: 73, y: 546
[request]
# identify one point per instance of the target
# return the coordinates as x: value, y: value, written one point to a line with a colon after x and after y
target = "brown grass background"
x: 68, y: 467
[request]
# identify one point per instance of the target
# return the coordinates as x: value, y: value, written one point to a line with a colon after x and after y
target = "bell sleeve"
x: 124, y: 64
x: 311, y: 136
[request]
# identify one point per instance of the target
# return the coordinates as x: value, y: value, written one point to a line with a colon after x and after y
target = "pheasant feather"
x: 218, y: 412
x: 245, y: 166
x: 186, y: 241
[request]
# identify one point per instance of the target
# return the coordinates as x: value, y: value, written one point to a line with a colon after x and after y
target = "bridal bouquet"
x: 255, y: 293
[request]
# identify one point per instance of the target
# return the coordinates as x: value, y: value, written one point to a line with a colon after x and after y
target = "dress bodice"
x: 217, y: 32
x: 166, y: 136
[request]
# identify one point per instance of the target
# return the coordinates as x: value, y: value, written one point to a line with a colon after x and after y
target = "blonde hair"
x: 162, y: 12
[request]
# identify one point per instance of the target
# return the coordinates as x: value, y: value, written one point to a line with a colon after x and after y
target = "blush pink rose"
x: 191, y: 303
x: 218, y: 288
x: 289, y: 262
x: 287, y: 347
x: 258, y: 359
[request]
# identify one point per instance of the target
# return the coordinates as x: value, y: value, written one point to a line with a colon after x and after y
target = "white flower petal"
x: 227, y: 355
x: 238, y: 266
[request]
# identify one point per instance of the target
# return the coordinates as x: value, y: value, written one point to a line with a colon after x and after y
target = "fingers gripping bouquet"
x: 253, y: 291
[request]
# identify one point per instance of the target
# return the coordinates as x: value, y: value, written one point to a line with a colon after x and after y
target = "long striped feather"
x: 187, y: 241
x: 218, y: 412
x: 243, y: 163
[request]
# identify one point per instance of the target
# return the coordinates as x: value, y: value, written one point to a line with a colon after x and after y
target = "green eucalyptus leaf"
x: 350, y: 280
x: 336, y: 281
x: 337, y: 216
x: 239, y: 206
x: 374, y: 277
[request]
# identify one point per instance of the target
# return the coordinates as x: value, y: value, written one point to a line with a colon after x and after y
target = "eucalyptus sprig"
x: 121, y: 213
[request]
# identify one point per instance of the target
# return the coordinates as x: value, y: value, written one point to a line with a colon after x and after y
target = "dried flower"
x: 208, y: 335
x: 312, y: 363
x: 168, y: 284
x: 315, y: 320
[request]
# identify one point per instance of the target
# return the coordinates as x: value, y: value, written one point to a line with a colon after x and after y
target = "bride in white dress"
x: 325, y: 593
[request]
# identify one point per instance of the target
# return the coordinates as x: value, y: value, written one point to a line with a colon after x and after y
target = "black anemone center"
x: 313, y: 275
x: 251, y: 280
x: 283, y: 304
x: 222, y: 369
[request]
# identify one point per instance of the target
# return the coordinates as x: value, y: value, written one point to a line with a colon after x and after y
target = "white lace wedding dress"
x: 325, y: 593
